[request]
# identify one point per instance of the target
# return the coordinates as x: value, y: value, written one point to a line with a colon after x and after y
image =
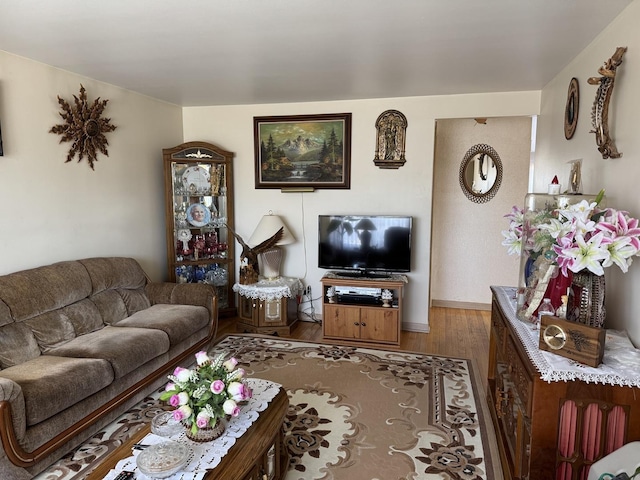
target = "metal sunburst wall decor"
x: 84, y: 127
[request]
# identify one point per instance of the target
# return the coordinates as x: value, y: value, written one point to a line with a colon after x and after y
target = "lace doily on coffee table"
x: 208, y: 455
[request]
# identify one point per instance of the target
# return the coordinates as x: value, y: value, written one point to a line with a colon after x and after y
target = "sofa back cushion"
x: 51, y: 329
x: 85, y: 316
x: 17, y: 345
x: 57, y: 327
x: 114, y: 272
x: 117, y: 287
x: 110, y: 305
x: 40, y: 290
x: 5, y: 314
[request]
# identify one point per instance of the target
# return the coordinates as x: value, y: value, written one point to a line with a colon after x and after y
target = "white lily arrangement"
x: 576, y: 237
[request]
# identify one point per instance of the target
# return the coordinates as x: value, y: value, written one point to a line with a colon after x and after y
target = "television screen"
x: 365, y: 243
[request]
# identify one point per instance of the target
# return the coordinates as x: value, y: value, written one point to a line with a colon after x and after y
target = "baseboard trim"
x: 415, y: 327
x: 406, y: 326
x: 463, y: 305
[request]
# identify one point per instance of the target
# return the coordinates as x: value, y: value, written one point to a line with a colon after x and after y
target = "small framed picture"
x: 198, y: 215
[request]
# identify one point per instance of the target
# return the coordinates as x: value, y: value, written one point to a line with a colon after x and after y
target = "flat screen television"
x: 366, y: 245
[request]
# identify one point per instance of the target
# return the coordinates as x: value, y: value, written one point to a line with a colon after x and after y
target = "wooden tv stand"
x: 361, y: 317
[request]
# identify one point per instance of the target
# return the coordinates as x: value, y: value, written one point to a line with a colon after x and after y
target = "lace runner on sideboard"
x: 208, y: 455
x: 620, y: 364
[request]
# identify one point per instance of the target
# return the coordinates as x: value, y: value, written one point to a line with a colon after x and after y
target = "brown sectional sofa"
x: 80, y: 343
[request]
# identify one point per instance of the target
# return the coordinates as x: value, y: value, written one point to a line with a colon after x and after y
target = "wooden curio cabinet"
x: 199, y: 206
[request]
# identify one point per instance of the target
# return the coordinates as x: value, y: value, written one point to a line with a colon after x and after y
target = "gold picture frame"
x: 303, y: 152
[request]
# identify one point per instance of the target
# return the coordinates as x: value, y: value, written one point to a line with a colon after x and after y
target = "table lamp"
x: 271, y: 259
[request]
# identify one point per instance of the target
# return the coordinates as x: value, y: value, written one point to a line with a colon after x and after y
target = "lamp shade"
x: 267, y: 228
x: 365, y: 224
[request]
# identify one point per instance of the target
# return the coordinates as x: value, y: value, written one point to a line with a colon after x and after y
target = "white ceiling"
x: 229, y: 52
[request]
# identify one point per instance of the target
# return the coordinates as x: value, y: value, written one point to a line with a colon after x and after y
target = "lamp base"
x: 271, y: 260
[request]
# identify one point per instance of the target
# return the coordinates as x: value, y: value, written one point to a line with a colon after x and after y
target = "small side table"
x: 268, y: 306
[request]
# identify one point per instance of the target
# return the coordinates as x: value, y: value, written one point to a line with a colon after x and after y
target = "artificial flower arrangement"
x: 212, y: 390
x: 577, y: 236
x: 574, y: 238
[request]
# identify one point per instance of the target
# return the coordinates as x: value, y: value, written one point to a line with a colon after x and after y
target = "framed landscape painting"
x: 303, y: 151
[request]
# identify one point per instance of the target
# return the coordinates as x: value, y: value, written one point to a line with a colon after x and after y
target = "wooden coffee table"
x: 247, y: 459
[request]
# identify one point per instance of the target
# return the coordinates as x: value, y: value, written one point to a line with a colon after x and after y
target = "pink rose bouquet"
x: 214, y: 389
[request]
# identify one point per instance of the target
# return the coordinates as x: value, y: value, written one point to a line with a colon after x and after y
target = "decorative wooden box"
x: 573, y: 340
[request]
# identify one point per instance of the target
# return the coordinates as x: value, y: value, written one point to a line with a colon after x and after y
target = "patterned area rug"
x: 355, y: 414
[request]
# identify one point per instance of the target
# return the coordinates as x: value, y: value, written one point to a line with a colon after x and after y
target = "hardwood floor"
x: 453, y: 332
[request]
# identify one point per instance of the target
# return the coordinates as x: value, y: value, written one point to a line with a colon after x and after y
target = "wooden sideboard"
x: 550, y: 429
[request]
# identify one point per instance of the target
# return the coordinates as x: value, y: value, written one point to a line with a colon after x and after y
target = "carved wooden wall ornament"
x: 600, y: 110
x: 84, y: 127
x: 391, y: 127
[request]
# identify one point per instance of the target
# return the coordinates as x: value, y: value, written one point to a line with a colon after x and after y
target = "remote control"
x: 125, y: 476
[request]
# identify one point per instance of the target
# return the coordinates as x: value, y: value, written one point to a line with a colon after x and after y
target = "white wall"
x: 467, y: 239
x: 619, y: 177
x: 51, y: 210
x: 406, y: 191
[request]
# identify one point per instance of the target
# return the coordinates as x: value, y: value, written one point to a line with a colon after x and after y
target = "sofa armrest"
x: 13, y: 420
x: 201, y: 294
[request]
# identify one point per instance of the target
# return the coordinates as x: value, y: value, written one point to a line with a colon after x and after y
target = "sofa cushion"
x: 51, y: 329
x: 125, y: 348
x: 50, y: 384
x: 114, y: 272
x: 55, y: 328
x: 31, y: 292
x: 85, y: 316
x: 5, y: 314
x: 17, y: 345
x: 134, y: 299
x: 177, y: 321
x: 160, y: 292
x: 116, y: 304
x: 110, y: 305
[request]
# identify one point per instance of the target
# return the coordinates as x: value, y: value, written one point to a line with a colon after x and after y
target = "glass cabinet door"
x: 199, y: 206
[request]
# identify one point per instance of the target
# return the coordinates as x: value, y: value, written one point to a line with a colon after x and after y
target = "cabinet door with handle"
x: 379, y: 325
x: 341, y: 322
x: 247, y: 310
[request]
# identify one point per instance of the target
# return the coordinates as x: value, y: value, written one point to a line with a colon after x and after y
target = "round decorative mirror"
x: 480, y: 173
x: 571, y: 109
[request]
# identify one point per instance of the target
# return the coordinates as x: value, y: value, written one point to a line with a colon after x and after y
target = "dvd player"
x: 362, y: 291
x: 359, y: 299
